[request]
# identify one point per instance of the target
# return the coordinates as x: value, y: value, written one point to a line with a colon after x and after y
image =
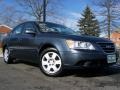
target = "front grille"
x: 107, y: 47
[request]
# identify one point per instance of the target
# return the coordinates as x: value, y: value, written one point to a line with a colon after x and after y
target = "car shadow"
x: 94, y: 72
x: 85, y: 73
x: 25, y: 62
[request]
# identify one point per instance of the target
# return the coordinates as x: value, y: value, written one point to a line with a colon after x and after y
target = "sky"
x: 71, y: 10
x: 76, y: 5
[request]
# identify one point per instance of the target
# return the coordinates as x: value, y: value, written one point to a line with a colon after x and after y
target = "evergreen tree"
x: 88, y: 24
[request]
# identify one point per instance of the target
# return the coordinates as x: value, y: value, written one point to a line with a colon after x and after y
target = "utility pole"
x: 44, y: 10
x: 109, y: 20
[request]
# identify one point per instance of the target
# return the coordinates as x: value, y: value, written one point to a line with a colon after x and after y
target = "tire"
x: 6, y: 56
x: 51, y: 62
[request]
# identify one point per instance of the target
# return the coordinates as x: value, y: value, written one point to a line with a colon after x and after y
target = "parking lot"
x: 24, y: 76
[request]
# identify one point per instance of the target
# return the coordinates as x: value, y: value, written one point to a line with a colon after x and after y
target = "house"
x: 115, y: 37
x: 4, y: 30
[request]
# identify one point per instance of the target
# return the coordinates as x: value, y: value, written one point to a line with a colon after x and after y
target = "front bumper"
x: 85, y: 58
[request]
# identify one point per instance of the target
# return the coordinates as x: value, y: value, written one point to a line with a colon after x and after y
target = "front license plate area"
x: 111, y: 58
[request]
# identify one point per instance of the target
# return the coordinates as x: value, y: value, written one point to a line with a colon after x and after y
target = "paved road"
x: 24, y: 76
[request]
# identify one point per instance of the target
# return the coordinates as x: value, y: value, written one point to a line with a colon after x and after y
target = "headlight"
x: 79, y: 45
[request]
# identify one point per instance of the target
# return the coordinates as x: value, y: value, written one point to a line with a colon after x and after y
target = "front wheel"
x: 6, y: 56
x: 51, y: 63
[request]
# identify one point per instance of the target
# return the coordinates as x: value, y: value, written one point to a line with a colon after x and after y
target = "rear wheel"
x: 6, y: 56
x: 51, y: 63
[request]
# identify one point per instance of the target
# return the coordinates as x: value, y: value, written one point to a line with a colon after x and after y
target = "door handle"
x: 25, y: 39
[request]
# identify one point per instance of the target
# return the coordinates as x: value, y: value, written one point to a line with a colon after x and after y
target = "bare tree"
x: 10, y: 16
x: 110, y: 12
x: 35, y: 7
x: 28, y: 10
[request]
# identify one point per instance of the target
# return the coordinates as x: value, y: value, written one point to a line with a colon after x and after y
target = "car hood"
x: 88, y: 38
x: 77, y: 37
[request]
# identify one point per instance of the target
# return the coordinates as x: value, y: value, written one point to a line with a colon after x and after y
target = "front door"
x: 28, y: 42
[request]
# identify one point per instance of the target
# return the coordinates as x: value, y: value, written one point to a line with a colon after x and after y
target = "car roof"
x: 41, y: 22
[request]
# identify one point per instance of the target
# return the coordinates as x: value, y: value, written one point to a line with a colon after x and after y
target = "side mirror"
x: 30, y: 31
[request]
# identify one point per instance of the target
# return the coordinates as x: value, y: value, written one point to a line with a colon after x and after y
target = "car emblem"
x: 108, y: 46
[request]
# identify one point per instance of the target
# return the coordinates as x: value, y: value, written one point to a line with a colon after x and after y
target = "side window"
x: 42, y: 27
x: 30, y: 27
x: 18, y: 30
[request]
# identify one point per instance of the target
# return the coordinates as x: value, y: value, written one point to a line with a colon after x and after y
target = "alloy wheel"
x: 51, y: 62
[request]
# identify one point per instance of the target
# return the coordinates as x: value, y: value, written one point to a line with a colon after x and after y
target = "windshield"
x: 55, y: 28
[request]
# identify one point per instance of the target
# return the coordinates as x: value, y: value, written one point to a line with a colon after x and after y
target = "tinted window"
x: 30, y: 26
x: 56, y: 28
x: 18, y: 29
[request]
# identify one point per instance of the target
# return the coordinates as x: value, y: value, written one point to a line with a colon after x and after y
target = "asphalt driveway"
x: 24, y: 76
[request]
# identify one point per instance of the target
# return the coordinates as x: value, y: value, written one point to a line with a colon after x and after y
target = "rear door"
x: 14, y: 40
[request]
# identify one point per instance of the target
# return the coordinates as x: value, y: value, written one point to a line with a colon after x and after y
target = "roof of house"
x: 5, y: 29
